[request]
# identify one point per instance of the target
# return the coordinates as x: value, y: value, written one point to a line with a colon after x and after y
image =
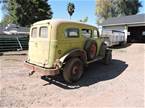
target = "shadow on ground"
x: 95, y: 73
x: 121, y: 46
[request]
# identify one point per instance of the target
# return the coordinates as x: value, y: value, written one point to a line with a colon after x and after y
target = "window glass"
x: 43, y: 32
x: 143, y: 33
x: 72, y: 32
x: 86, y: 33
x: 34, y: 32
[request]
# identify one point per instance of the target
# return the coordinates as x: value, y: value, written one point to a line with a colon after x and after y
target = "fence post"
x: 21, y: 48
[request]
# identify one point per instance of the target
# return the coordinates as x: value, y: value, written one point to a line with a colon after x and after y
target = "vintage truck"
x: 61, y: 46
x: 113, y: 37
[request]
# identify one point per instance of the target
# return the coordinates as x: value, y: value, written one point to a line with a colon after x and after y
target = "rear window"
x: 43, y: 32
x: 72, y: 32
x: 34, y: 32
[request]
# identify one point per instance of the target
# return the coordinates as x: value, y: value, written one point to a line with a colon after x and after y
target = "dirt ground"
x: 120, y: 84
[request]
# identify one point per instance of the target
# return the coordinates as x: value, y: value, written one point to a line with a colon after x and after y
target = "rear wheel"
x: 73, y: 70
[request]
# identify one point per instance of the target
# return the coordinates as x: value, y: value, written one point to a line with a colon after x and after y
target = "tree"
x: 26, y: 12
x: 114, y: 8
x: 84, y: 19
x: 130, y: 6
x: 103, y: 9
x: 6, y: 20
x: 125, y: 7
x: 70, y: 8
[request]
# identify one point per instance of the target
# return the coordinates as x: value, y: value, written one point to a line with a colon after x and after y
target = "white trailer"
x: 113, y: 37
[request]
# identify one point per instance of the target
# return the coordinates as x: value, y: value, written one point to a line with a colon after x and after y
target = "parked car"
x: 113, y: 37
x: 59, y: 46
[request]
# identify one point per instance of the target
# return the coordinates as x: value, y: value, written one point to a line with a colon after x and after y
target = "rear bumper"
x: 43, y: 71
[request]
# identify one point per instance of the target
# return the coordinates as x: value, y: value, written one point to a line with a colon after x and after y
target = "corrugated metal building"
x: 133, y: 26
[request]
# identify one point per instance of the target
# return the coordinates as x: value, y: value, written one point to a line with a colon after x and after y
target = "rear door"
x: 39, y: 45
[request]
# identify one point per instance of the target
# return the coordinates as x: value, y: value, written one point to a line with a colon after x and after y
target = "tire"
x: 73, y: 70
x: 108, y: 57
x: 91, y: 49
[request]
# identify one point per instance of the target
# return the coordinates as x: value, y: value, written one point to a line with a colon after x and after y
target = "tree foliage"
x: 115, y: 8
x: 70, y: 8
x: 84, y: 19
x: 103, y: 9
x: 6, y: 20
x: 26, y: 12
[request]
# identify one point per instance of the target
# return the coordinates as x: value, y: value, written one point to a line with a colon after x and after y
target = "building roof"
x: 14, y: 29
x: 125, y: 20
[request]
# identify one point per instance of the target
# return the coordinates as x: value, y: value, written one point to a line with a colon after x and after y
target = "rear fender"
x: 74, y: 53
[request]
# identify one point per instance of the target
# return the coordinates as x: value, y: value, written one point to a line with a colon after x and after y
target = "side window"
x: 34, y: 32
x: 72, y: 32
x: 43, y: 32
x: 86, y: 33
x: 96, y: 34
x: 143, y: 33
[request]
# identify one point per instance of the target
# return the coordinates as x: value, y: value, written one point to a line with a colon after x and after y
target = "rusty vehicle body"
x: 65, y: 46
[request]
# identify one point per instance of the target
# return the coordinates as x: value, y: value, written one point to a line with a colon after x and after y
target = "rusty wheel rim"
x: 76, y: 70
x: 93, y: 50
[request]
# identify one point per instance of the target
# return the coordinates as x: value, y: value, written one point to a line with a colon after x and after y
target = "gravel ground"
x: 120, y: 84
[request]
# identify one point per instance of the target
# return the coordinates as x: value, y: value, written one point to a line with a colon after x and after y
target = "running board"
x: 96, y: 59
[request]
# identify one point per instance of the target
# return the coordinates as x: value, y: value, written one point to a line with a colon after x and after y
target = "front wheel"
x: 91, y: 49
x: 73, y: 70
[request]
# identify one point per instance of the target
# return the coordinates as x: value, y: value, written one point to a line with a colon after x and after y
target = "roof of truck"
x: 60, y: 21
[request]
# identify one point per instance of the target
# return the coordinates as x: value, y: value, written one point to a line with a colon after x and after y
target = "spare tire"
x: 91, y: 49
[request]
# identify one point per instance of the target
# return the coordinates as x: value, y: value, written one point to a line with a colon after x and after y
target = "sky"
x: 83, y: 8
